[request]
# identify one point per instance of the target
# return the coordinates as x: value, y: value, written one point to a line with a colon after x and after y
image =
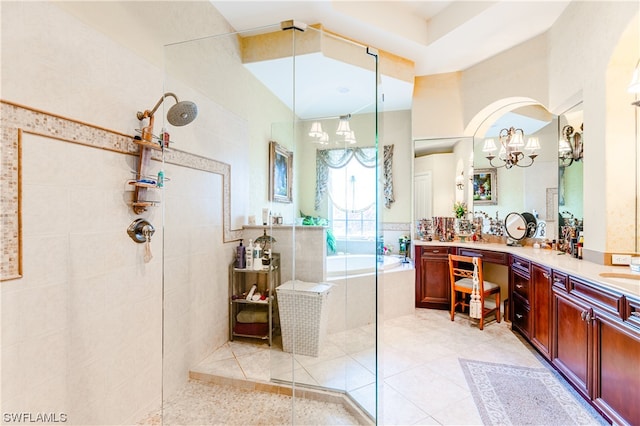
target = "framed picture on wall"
x: 485, y: 187
x: 280, y: 173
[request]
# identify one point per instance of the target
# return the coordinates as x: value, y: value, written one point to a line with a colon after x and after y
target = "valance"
x: 339, y: 157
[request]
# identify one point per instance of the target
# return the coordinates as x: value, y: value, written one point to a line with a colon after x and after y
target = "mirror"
x: 526, y: 184
x: 442, y: 169
x: 570, y: 174
x: 549, y: 189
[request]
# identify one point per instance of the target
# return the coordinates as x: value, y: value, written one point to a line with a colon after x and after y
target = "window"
x: 352, y: 200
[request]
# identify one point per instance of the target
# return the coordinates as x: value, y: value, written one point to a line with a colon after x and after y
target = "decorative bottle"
x: 257, y: 257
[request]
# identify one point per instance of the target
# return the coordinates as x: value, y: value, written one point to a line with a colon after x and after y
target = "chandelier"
x: 570, y: 145
x: 343, y: 131
x: 511, y: 149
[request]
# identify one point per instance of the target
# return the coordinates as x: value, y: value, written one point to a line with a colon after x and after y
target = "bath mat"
x: 512, y: 395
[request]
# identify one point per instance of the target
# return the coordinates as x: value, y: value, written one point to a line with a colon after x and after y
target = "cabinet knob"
x: 545, y: 275
x: 519, y: 316
x: 519, y: 286
x: 435, y: 251
x: 635, y: 314
x: 586, y: 316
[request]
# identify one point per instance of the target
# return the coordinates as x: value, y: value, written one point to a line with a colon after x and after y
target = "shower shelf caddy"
x: 140, y: 204
x: 240, y: 282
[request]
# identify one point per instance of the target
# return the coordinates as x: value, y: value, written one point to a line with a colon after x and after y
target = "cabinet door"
x: 540, y: 295
x: 572, y: 341
x: 432, y: 283
x: 616, y: 388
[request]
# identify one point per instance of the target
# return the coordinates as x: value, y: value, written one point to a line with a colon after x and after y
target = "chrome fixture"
x: 181, y: 114
x: 570, y: 145
x: 140, y: 231
x: 511, y: 144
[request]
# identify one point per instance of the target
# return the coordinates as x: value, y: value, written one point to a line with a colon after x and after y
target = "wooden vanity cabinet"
x: 530, y: 300
x: 541, y: 314
x: 432, y: 277
x: 572, y: 348
x: 597, y: 348
x: 616, y: 378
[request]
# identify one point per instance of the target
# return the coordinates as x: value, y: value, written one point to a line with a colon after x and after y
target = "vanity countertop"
x: 559, y: 261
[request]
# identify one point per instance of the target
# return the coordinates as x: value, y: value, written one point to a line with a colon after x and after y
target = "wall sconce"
x: 570, y: 146
x: 511, y: 143
x: 460, y: 181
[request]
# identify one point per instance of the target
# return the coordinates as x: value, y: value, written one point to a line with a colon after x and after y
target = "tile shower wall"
x: 82, y: 330
x: 87, y: 317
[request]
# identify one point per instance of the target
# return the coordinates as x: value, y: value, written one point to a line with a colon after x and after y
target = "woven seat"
x: 461, y: 279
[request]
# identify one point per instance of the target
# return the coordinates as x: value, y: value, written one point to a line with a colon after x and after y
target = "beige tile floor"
x: 423, y: 382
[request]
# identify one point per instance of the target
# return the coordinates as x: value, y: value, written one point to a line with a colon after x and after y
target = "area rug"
x: 512, y: 395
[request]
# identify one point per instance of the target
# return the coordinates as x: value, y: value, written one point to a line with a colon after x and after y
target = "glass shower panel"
x: 246, y: 169
x: 328, y: 305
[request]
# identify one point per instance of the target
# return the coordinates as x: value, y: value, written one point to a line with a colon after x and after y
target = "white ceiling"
x: 438, y: 36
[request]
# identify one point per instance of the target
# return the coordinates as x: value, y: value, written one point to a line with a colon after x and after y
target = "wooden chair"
x: 461, y: 278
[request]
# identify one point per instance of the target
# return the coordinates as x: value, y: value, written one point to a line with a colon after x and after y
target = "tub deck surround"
x: 603, y: 275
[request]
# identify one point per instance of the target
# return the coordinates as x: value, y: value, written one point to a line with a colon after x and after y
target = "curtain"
x: 388, y: 176
x: 338, y: 158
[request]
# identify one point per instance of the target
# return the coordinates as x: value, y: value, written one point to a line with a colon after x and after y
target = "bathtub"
x: 354, y: 300
x: 357, y: 264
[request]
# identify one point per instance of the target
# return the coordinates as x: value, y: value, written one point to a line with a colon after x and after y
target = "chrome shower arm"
x: 149, y: 113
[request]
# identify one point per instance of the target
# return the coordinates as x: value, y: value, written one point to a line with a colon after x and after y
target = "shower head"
x: 181, y: 114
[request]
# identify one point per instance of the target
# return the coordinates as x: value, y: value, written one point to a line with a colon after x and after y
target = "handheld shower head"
x: 182, y: 113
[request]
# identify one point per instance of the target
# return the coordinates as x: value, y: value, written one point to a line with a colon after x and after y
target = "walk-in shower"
x: 257, y: 86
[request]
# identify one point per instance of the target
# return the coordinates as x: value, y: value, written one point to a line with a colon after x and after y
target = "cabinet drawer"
x: 520, y: 285
x: 559, y: 280
x: 435, y: 251
x: 633, y: 312
x: 520, y: 264
x: 521, y: 315
x: 604, y: 299
x: 486, y: 255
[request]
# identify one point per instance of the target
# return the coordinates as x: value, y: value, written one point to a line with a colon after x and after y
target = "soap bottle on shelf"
x: 249, y: 255
x: 160, y: 178
x: 240, y: 256
x: 257, y: 257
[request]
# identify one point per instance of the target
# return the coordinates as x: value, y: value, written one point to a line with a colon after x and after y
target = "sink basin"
x: 628, y: 275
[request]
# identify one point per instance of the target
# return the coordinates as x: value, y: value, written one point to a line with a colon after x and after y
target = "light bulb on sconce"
x: 460, y: 181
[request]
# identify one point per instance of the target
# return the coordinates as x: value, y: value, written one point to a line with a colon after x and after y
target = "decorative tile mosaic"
x: 15, y: 119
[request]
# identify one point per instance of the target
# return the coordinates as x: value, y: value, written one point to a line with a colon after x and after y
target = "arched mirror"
x: 519, y: 151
